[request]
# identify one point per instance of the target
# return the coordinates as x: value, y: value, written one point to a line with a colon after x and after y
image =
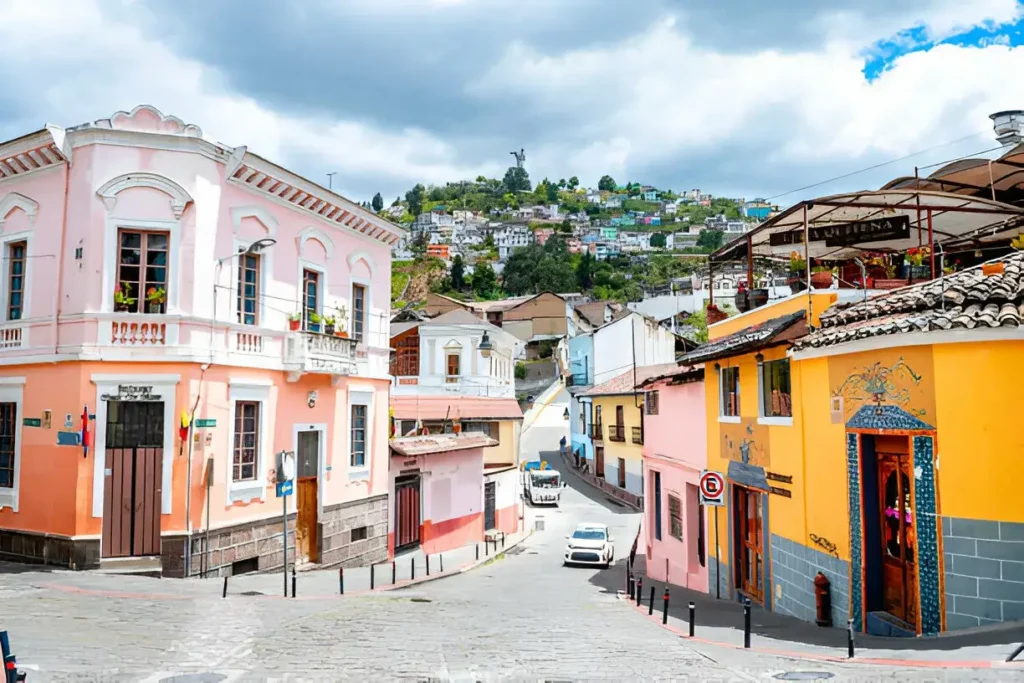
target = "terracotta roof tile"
x: 627, y: 383
x: 746, y: 340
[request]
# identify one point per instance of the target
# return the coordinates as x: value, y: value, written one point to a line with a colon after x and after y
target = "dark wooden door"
x: 622, y: 473
x: 489, y: 505
x: 749, y: 518
x: 599, y: 461
x: 899, y: 575
x: 306, y: 496
x: 407, y: 512
x: 133, y: 475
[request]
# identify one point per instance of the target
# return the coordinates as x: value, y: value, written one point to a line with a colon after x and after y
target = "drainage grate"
x: 804, y: 675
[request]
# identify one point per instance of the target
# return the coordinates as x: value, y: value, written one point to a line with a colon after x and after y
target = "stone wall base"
x: 49, y: 549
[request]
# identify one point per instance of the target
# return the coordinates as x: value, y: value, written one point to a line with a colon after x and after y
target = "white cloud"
x: 114, y: 66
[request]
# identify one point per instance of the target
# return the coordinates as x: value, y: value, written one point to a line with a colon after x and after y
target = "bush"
x: 520, y: 370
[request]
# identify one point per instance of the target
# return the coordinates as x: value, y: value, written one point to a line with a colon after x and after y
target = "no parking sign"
x: 712, y: 488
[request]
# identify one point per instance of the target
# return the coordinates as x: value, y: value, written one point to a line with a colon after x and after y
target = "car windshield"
x: 545, y: 480
x: 589, y: 534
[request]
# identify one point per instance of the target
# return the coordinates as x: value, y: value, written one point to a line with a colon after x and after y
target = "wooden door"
x: 489, y: 505
x: 407, y: 512
x: 307, y: 536
x: 749, y: 521
x: 599, y: 461
x: 133, y: 474
x: 899, y: 543
x: 622, y: 473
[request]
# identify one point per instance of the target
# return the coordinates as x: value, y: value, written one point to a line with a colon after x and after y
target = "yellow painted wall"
x: 508, y: 445
x: 819, y: 302
x: 631, y: 418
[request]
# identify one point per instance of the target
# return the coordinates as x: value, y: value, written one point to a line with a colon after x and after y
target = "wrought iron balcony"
x: 320, y: 353
x: 638, y: 435
x: 597, y: 431
x: 617, y: 433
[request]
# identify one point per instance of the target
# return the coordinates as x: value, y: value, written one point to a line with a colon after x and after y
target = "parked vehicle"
x: 590, y: 544
x: 541, y: 484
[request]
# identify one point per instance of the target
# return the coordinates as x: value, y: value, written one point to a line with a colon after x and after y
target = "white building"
x: 633, y: 338
x: 511, y: 237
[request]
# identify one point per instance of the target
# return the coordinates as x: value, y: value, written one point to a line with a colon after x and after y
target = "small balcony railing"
x: 616, y: 433
x: 597, y: 431
x: 638, y: 435
x: 320, y: 353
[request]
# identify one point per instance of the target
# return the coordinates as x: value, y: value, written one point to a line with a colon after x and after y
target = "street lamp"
x: 485, y: 347
x: 1008, y: 126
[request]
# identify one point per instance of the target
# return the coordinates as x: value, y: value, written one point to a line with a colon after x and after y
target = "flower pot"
x: 757, y: 298
x: 742, y: 305
x: 796, y: 282
x: 313, y: 327
x: 121, y: 308
x: 991, y: 268
x: 341, y: 333
x: 294, y: 325
x: 715, y: 314
x: 153, y: 307
x: 328, y: 329
x: 822, y: 280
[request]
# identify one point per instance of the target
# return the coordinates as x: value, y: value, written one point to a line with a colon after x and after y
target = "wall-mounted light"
x: 485, y: 348
x: 760, y: 359
x: 717, y: 367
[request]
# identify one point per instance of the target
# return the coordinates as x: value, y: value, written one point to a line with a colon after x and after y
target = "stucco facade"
x: 141, y: 204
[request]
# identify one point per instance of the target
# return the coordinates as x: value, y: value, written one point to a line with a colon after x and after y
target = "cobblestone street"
x: 519, y: 617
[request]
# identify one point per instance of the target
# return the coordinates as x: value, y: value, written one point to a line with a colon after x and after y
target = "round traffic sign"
x: 712, y: 485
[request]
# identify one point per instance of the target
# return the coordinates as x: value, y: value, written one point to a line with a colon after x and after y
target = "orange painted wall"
x: 451, y: 533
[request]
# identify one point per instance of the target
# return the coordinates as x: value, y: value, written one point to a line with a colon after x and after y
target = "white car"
x: 590, y: 544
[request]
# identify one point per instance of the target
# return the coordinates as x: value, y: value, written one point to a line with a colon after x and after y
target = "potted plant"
x: 797, y: 272
x: 294, y: 321
x: 123, y: 299
x: 313, y: 324
x: 340, y: 318
x: 919, y: 263
x: 329, y: 324
x: 821, y: 277
x: 339, y: 330
x: 155, y: 298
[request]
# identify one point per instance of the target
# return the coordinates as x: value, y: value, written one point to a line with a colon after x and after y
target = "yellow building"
x: 831, y: 443
x: 618, y: 430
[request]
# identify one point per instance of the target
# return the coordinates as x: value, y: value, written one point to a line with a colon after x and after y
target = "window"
x: 357, y: 457
x: 406, y: 361
x: 488, y: 428
x: 775, y: 392
x: 310, y: 296
x: 656, y: 487
x: 358, y: 312
x: 651, y: 402
x: 730, y: 392
x: 452, y: 372
x: 675, y: 517
x: 358, y: 534
x: 16, y: 280
x: 8, y: 447
x: 142, y: 271
x: 247, y: 440
x: 248, y: 289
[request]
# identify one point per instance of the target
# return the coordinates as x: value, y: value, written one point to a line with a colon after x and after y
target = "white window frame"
x: 351, y: 322
x: 259, y: 392
x: 266, y: 266
x: 722, y: 417
x: 359, y: 395
x: 763, y: 419
x: 301, y: 298
x: 5, y: 242
x: 12, y: 390
x: 112, y: 250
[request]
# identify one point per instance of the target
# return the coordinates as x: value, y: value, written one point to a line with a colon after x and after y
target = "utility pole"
x: 330, y: 179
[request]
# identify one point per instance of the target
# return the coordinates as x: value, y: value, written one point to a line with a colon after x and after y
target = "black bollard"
x: 394, y: 573
x: 293, y: 580
x: 849, y: 639
x: 440, y: 561
x: 224, y: 593
x: 639, y: 590
x: 373, y: 575
x: 478, y: 552
x: 341, y: 580
x: 693, y: 616
x: 628, y: 579
x: 746, y: 623
x: 502, y: 539
x: 428, y: 565
x: 412, y: 570
x: 1012, y: 656
x: 650, y: 602
x: 632, y: 588
x: 487, y: 547
x: 664, y: 606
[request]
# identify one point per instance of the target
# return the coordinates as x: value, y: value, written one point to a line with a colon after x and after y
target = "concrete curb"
x: 814, y: 657
x: 567, y: 459
x: 462, y: 570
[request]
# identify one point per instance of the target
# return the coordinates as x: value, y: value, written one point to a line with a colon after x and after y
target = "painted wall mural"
x: 746, y: 442
x: 895, y: 383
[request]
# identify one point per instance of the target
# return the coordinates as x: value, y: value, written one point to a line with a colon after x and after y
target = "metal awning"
x: 843, y: 226
x: 1000, y: 179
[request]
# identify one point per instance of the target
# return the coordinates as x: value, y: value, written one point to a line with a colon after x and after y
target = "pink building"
x: 674, y: 453
x: 198, y: 309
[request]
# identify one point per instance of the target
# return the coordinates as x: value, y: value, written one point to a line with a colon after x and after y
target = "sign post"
x: 712, y: 494
x: 285, y: 475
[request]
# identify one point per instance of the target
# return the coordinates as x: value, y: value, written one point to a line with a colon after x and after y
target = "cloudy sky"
x: 737, y: 97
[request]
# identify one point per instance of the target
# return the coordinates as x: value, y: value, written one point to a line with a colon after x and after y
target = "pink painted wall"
x: 675, y: 446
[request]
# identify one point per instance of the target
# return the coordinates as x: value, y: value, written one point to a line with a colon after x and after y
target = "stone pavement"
x: 523, y: 617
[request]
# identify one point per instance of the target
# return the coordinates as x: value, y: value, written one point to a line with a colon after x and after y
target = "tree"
x: 552, y: 193
x: 414, y: 198
x: 378, y: 202
x: 583, y: 272
x: 606, y: 183
x: 574, y: 182
x: 658, y: 240
x: 562, y: 184
x: 458, y: 274
x: 710, y: 239
x: 516, y: 179
x: 436, y: 194
x: 484, y: 280
x: 398, y: 200
x: 565, y: 226
x: 419, y: 244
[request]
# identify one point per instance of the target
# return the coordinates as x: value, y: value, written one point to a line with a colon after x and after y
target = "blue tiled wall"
x: 794, y: 567
x: 856, y: 536
x: 927, y: 535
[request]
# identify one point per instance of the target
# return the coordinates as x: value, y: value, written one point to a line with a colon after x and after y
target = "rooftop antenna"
x: 330, y: 179
x: 520, y: 157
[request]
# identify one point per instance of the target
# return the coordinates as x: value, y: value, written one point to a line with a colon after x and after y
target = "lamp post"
x: 486, y: 348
